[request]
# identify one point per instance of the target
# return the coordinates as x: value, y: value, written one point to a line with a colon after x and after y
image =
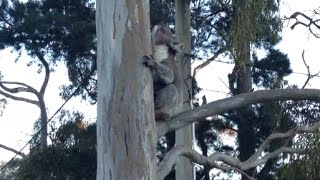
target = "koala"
x: 167, y: 80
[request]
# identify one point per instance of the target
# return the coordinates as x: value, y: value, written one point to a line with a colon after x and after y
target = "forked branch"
x: 22, y: 88
x: 310, y: 23
x: 222, y: 161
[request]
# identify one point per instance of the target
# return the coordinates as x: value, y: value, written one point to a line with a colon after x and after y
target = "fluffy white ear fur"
x: 160, y: 52
x: 154, y: 31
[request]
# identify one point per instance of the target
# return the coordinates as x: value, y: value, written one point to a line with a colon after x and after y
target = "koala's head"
x: 162, y: 35
x: 163, y: 42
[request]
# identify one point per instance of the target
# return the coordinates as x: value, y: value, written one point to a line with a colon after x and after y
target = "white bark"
x: 234, y: 102
x: 125, y: 119
x: 184, y: 136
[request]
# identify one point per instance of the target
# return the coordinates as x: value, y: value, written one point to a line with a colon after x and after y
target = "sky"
x: 16, y: 123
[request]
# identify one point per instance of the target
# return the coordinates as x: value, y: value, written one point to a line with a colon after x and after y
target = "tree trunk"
x: 184, y: 136
x: 125, y: 119
x: 44, y: 125
x: 246, y: 138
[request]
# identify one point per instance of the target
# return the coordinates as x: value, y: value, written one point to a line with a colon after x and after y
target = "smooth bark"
x: 233, y: 103
x: 184, y: 136
x: 125, y: 119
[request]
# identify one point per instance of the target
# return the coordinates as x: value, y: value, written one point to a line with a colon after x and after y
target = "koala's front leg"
x: 161, y: 72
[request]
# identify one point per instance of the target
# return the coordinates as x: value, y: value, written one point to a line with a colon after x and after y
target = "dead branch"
x: 208, y: 61
x: 310, y: 24
x: 308, y: 70
x: 309, y: 75
x: 234, y: 102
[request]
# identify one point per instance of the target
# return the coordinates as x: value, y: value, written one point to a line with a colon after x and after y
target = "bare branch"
x: 208, y: 61
x: 289, y: 134
x: 170, y: 159
x: 234, y: 102
x: 230, y: 162
x: 26, y: 87
x: 13, y: 150
x: 308, y: 70
x: 311, y: 22
x: 309, y: 75
x: 19, y: 98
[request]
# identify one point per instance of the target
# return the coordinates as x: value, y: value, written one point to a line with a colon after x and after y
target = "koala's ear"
x: 176, y: 47
x: 154, y: 30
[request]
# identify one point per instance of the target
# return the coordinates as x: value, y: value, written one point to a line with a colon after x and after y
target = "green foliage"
x: 210, y: 21
x: 71, y: 156
x: 9, y: 172
x: 269, y: 71
x: 162, y: 11
x: 305, y: 166
x: 256, y: 22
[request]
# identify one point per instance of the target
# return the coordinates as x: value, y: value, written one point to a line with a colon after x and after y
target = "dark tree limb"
x: 208, y: 61
x: 47, y: 72
x: 24, y: 88
x: 309, y: 75
x: 311, y: 22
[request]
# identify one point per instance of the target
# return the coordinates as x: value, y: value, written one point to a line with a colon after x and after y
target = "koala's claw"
x: 148, y: 61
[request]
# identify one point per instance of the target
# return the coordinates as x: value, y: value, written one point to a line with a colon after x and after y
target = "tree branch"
x: 212, y: 161
x: 311, y: 22
x: 234, y: 102
x: 13, y: 150
x: 47, y: 72
x: 309, y: 76
x: 208, y: 61
x: 19, y: 98
x: 26, y: 88
x: 289, y: 134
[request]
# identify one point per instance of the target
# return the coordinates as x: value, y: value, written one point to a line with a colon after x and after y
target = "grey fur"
x: 167, y: 80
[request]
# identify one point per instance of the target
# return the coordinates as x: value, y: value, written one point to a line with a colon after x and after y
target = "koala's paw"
x: 148, y: 61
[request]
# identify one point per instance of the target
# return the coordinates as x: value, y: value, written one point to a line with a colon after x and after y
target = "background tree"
x: 42, y: 28
x: 72, y: 154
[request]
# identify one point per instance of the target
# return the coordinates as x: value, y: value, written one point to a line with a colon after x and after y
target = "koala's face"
x: 162, y: 35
